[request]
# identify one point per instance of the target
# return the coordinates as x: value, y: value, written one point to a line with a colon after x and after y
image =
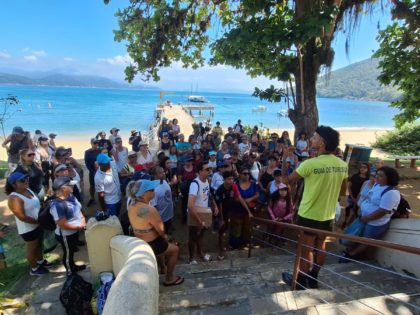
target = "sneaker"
x: 46, y: 264
x: 39, y: 271
x: 300, y: 283
x: 207, y: 258
x: 193, y: 262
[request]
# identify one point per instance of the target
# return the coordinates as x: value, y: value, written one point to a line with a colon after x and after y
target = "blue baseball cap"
x: 141, y: 175
x: 16, y: 176
x: 212, y: 153
x: 103, y: 158
x: 147, y: 185
x: 220, y: 163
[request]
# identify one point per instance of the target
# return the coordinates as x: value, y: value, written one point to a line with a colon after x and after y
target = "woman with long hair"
x: 28, y: 166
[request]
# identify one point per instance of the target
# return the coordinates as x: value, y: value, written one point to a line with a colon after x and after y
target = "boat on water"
x: 196, y: 98
x: 260, y: 108
x: 283, y: 113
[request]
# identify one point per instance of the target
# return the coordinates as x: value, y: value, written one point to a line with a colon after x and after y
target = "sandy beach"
x: 355, y: 136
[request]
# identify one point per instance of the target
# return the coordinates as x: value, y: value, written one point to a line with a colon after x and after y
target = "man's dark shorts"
x: 92, y: 179
x: 320, y: 225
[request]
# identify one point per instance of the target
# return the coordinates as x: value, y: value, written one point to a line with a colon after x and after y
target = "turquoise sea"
x: 82, y: 111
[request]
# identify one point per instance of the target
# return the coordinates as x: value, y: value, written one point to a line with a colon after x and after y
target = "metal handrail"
x: 298, y: 257
x: 357, y: 239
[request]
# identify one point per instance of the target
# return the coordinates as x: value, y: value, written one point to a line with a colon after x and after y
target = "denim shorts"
x: 375, y: 232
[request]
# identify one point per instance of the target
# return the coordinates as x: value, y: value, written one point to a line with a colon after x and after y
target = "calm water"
x: 80, y: 111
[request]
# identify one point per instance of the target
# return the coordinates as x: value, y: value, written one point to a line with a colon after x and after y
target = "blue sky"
x: 75, y: 36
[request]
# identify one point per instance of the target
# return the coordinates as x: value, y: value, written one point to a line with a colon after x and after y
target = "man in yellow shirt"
x: 323, y: 177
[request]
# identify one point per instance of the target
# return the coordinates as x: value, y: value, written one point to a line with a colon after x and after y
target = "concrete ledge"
x: 406, y: 232
x: 136, y: 287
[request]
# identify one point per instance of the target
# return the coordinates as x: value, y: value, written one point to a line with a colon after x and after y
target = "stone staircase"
x: 241, y: 285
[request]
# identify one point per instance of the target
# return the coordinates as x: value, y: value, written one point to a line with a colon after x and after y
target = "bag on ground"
x: 76, y: 295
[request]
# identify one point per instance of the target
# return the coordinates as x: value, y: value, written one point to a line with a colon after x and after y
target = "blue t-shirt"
x: 70, y: 209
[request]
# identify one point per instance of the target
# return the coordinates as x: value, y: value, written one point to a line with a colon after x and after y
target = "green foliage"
x: 357, y: 81
x: 400, y: 63
x: 404, y: 141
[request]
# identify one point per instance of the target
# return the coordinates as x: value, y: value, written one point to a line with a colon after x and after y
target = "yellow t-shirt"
x: 323, y: 177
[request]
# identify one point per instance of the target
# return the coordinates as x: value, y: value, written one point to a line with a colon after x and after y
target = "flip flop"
x: 179, y: 280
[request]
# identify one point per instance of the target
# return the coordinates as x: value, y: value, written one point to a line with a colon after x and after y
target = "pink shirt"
x: 279, y: 210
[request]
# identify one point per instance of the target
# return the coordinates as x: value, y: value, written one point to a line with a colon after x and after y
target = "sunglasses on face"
x: 23, y: 180
x: 207, y: 169
x: 30, y: 154
x: 132, y: 156
x: 245, y: 173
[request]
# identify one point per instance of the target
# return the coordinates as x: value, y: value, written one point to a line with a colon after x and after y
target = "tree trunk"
x: 305, y: 114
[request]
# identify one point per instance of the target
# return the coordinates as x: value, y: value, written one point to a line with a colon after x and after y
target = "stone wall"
x: 406, y: 232
x: 136, y: 287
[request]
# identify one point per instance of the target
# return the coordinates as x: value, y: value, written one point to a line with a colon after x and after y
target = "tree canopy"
x: 283, y: 40
x: 400, y: 59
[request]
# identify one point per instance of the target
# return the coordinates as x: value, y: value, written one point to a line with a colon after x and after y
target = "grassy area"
x: 17, y: 265
x: 3, y: 168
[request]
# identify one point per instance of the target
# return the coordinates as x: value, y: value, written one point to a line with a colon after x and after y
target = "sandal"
x: 179, y: 280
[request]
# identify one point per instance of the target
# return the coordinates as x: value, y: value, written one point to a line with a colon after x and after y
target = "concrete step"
x: 218, y: 295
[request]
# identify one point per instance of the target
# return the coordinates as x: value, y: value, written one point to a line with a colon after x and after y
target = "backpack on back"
x: 45, y: 218
x: 403, y: 209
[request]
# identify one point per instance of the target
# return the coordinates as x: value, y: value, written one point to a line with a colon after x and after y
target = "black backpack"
x: 403, y: 209
x: 45, y: 218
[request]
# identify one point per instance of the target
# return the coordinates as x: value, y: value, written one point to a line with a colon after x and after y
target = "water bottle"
x: 3, y: 264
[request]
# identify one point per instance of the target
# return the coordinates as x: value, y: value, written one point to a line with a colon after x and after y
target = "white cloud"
x: 117, y: 60
x: 68, y: 59
x: 4, y: 55
x: 39, y: 53
x: 31, y: 58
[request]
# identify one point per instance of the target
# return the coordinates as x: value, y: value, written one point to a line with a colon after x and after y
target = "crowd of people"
x: 217, y: 180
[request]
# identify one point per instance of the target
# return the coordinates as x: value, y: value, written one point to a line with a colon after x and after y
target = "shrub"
x: 404, y: 141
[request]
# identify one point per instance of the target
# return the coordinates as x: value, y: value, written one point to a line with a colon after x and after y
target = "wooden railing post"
x: 296, y: 266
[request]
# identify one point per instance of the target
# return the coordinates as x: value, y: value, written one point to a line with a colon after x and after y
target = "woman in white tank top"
x: 25, y: 206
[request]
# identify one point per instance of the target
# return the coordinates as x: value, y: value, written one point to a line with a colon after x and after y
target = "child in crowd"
x: 280, y: 207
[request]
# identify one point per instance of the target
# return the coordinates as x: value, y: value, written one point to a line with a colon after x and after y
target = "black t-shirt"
x: 135, y: 143
x: 356, y: 184
x: 105, y: 143
x: 227, y: 198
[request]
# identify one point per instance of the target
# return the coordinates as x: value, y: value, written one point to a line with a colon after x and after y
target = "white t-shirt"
x: 108, y: 183
x: 144, y: 160
x: 122, y: 159
x: 374, y: 201
x: 202, y: 191
x: 31, y: 208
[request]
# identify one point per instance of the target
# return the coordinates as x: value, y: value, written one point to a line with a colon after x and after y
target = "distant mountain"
x: 356, y: 81
x: 58, y: 79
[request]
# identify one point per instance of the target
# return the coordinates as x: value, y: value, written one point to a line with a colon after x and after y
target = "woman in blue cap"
x: 25, y: 206
x: 148, y: 226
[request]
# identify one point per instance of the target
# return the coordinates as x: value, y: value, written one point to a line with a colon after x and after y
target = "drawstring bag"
x: 356, y: 228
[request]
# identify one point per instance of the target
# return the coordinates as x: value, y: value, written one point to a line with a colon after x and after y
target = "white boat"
x: 196, y: 98
x: 283, y: 113
x: 260, y: 108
